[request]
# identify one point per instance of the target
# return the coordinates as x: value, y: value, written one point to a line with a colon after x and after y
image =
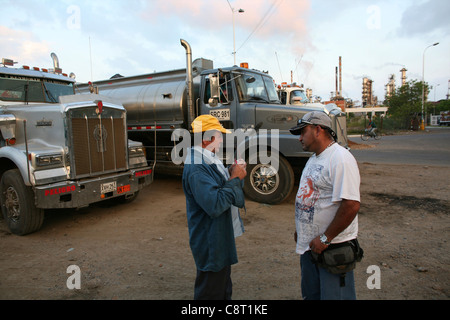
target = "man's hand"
x: 317, y: 246
x: 237, y: 170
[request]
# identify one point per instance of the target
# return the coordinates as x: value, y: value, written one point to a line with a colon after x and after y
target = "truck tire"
x: 264, y: 184
x: 18, y: 208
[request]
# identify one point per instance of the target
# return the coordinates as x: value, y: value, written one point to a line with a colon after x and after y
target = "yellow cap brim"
x: 207, y: 124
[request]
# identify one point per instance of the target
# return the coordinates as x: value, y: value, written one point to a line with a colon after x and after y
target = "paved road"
x: 430, y: 147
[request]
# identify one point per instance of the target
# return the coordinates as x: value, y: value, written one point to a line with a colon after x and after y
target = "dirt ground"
x: 141, y: 251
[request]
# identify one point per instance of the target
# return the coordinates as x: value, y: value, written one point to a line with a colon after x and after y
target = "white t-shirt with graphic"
x: 326, y: 180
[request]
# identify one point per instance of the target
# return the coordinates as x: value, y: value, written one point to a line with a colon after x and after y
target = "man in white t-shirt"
x: 326, y: 205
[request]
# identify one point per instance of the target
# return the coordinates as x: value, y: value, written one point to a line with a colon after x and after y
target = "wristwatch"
x: 324, y: 239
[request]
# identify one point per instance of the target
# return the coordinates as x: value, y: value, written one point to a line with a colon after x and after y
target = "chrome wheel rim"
x: 12, y: 204
x: 264, y: 179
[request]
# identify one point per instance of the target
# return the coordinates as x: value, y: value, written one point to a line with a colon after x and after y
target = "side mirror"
x: 214, y: 87
x: 250, y: 80
x: 213, y: 102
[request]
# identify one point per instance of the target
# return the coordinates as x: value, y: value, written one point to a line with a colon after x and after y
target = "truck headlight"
x: 49, y: 160
x: 136, y: 152
x: 136, y: 156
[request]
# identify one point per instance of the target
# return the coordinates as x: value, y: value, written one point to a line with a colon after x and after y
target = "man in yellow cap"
x: 213, y: 196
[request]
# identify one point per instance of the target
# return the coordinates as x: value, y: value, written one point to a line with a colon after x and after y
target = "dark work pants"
x: 213, y: 285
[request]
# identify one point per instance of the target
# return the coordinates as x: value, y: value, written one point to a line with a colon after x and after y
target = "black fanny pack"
x: 339, y: 258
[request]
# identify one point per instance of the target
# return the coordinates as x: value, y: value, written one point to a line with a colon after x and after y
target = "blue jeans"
x: 319, y: 284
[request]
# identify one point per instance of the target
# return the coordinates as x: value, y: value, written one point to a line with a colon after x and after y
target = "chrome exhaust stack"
x: 55, y: 60
x: 189, y: 81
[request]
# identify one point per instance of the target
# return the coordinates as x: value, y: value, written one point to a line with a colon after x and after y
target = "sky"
x: 302, y: 38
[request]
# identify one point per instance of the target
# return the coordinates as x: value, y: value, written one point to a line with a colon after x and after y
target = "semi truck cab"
x: 60, y: 150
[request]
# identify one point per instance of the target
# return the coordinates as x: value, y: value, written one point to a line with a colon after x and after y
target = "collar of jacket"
x: 199, y: 156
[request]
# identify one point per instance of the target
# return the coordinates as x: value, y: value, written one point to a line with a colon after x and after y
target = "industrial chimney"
x: 403, y: 71
x: 337, y: 90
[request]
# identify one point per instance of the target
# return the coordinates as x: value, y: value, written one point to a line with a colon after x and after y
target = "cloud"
x: 425, y: 18
x: 24, y: 45
x: 261, y: 19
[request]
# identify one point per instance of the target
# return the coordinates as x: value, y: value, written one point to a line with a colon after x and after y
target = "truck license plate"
x: 222, y: 114
x: 108, y: 187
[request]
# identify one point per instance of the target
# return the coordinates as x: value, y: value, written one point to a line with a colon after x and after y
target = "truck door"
x: 218, y: 98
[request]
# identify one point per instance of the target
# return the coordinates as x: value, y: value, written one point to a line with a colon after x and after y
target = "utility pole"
x: 422, y: 124
x: 234, y: 35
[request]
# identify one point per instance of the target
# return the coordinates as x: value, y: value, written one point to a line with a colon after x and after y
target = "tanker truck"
x: 60, y: 150
x: 161, y: 103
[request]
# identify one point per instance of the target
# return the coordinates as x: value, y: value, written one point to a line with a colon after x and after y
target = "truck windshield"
x: 255, y: 87
x: 298, y: 96
x: 33, y: 89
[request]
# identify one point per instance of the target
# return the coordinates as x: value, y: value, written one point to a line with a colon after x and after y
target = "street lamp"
x: 234, y: 37
x: 422, y: 125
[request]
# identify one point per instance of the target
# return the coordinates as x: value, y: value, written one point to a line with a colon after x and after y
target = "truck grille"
x: 99, y: 142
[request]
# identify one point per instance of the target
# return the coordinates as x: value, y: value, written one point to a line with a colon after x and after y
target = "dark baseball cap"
x: 317, y: 118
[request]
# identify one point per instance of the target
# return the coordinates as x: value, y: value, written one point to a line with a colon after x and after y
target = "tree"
x: 437, y: 107
x: 406, y: 101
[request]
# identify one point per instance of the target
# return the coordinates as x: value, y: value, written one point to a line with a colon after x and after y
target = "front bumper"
x: 77, y: 194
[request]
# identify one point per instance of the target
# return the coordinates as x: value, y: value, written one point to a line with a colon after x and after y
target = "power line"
x: 263, y: 20
x: 296, y: 68
x: 260, y: 24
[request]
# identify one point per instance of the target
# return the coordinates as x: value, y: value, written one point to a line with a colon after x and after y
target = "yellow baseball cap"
x: 207, y: 122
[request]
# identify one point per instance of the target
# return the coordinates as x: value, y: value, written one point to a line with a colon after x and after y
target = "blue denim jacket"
x: 209, y: 197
